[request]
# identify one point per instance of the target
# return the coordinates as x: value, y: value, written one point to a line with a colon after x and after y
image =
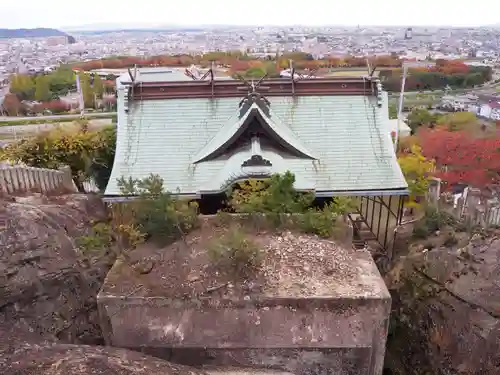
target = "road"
x: 56, y: 117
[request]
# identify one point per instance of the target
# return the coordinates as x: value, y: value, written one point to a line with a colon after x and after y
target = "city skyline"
x: 159, y: 13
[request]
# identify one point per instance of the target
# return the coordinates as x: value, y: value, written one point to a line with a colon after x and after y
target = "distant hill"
x: 141, y: 31
x: 32, y: 33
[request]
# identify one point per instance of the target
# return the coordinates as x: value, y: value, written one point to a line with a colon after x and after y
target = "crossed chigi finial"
x: 252, y: 86
x: 253, y: 94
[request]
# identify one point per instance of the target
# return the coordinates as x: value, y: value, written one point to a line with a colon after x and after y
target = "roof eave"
x: 114, y: 198
x: 363, y: 193
x: 333, y: 193
x: 317, y: 194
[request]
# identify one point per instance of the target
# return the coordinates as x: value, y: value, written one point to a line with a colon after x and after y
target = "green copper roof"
x: 345, y: 137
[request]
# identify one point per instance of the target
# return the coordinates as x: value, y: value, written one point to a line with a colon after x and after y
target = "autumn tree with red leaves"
x: 54, y: 106
x: 461, y: 158
x: 11, y: 106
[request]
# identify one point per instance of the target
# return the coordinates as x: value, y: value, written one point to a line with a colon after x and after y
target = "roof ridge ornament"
x: 253, y: 96
x: 194, y: 73
x: 252, y: 86
x: 297, y: 76
x: 129, y: 96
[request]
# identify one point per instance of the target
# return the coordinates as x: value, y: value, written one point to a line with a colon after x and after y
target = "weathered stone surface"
x: 326, y: 312
x: 48, y: 293
x: 62, y: 359
x: 46, y: 285
x: 315, y: 361
x: 446, y: 317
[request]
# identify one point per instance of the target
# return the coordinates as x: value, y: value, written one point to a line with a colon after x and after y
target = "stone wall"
x: 339, y: 326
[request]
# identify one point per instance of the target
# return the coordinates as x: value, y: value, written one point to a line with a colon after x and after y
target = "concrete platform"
x: 335, y: 323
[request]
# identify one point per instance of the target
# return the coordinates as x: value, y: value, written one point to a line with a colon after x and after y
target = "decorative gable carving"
x: 257, y: 161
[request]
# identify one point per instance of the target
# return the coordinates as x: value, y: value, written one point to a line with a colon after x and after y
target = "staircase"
x: 361, y: 232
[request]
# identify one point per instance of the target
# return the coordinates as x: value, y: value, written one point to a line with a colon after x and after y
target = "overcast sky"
x: 64, y: 13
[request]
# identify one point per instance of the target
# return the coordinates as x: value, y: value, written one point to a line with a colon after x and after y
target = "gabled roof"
x: 230, y: 132
x: 201, y: 136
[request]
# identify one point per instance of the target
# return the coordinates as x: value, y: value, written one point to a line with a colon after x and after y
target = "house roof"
x: 485, y: 99
x: 494, y: 105
x: 334, y: 143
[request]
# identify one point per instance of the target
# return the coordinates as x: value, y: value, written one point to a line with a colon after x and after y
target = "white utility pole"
x: 406, y: 65
x: 79, y: 90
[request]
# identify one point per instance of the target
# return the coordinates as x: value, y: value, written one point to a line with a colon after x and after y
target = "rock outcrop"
x: 47, y: 286
x: 48, y: 290
x: 446, y: 310
x: 61, y: 359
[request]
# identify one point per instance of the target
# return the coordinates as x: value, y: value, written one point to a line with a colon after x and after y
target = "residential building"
x: 459, y: 103
x: 202, y: 136
x: 490, y: 110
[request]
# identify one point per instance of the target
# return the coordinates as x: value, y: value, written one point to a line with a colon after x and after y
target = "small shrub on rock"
x: 437, y: 219
x: 156, y: 214
x: 319, y: 222
x: 101, y: 238
x: 235, y: 252
x: 421, y: 231
x: 277, y: 199
x: 433, y: 221
x: 450, y: 240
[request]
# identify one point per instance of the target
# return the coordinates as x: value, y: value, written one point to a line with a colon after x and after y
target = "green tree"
x: 254, y: 73
x: 271, y: 70
x: 421, y: 117
x: 98, y: 86
x: 87, y: 91
x: 88, y: 154
x: 417, y: 170
x: 458, y: 121
x: 23, y: 86
x: 62, y: 80
x: 42, y: 89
